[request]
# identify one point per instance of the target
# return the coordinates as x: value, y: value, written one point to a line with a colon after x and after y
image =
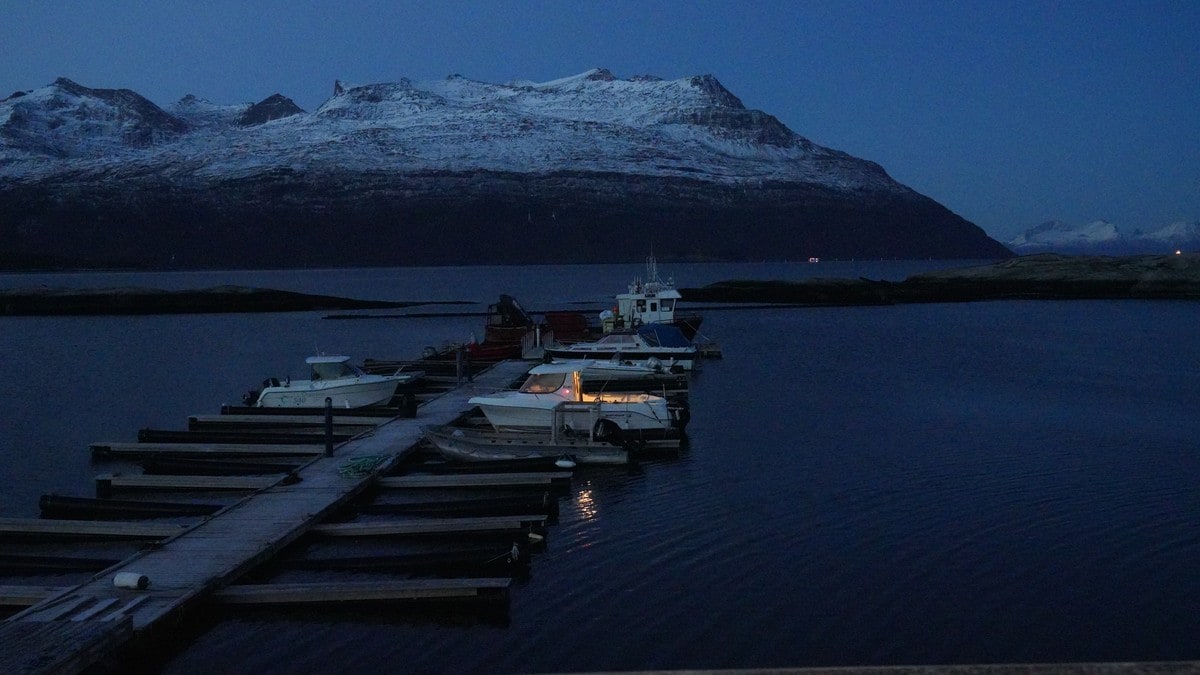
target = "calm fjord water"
x: 985, y: 482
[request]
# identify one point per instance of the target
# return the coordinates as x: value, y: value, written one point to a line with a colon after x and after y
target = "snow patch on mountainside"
x: 591, y: 122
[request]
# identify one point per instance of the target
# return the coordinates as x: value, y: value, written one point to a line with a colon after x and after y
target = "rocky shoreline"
x: 1037, y: 277
x: 221, y: 299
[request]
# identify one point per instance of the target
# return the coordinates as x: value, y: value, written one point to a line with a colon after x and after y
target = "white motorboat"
x: 663, y: 343
x: 332, y: 377
x: 617, y: 374
x: 552, y: 397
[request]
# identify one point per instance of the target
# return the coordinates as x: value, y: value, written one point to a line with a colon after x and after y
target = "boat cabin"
x: 554, y: 378
x: 332, y: 368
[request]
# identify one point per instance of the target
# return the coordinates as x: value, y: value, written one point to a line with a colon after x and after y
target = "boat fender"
x: 564, y: 462
x: 131, y: 580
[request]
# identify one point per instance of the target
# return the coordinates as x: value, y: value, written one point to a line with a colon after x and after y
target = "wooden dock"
x: 202, y: 561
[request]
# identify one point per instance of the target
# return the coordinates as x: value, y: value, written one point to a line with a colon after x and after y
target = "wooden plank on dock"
x: 58, y: 646
x: 107, y: 484
x: 222, y: 450
x: 287, y: 420
x: 26, y: 596
x: 95, y: 529
x: 426, y: 526
x: 370, y: 591
x: 474, y: 480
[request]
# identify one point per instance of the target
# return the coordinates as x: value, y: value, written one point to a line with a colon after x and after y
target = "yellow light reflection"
x: 587, y: 505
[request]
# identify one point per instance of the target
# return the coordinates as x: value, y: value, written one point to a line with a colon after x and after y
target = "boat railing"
x: 559, y: 417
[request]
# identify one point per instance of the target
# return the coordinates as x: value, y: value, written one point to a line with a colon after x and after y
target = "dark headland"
x: 1037, y: 277
x: 221, y: 299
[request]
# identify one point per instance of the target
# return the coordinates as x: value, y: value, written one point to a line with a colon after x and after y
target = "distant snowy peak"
x: 200, y: 113
x: 1102, y: 237
x: 1177, y: 233
x: 65, y: 119
x: 1056, y: 232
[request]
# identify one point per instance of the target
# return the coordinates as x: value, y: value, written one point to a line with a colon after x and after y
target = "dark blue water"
x: 986, y: 482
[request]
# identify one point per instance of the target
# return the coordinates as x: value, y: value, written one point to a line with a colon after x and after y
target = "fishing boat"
x: 332, y: 377
x: 663, y: 343
x: 553, y: 397
x: 648, y: 301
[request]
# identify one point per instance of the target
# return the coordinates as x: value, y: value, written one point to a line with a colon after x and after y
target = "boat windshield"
x: 543, y: 384
x: 333, y: 371
x: 617, y: 339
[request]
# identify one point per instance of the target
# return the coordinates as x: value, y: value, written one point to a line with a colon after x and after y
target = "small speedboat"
x: 655, y: 343
x: 553, y: 397
x: 332, y: 377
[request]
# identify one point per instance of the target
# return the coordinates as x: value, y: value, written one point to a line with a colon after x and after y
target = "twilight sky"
x: 1008, y: 113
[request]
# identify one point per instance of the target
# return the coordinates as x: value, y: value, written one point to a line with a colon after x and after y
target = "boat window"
x: 615, y: 338
x: 332, y: 371
x: 543, y: 384
x: 641, y: 306
x: 668, y: 305
x: 654, y: 307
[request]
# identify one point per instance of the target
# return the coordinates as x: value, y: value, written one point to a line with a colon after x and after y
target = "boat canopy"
x: 663, y: 335
x: 332, y: 367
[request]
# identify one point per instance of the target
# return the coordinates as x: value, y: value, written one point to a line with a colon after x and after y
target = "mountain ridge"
x: 590, y: 157
x: 1103, y: 237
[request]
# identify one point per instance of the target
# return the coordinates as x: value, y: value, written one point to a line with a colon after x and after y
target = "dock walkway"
x: 216, y: 552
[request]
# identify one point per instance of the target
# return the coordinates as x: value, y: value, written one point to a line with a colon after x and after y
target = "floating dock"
x: 200, y: 562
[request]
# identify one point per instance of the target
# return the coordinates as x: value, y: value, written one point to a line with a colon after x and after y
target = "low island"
x: 1037, y: 277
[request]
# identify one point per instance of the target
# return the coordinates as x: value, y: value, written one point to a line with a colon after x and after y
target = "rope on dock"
x: 361, y: 466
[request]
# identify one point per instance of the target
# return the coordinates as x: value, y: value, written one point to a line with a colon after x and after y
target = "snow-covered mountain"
x: 589, y: 167
x: 1104, y: 238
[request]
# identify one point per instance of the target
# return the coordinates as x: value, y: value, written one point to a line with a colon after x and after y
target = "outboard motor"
x: 250, y: 398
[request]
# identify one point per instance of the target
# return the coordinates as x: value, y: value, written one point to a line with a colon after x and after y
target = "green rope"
x: 361, y: 466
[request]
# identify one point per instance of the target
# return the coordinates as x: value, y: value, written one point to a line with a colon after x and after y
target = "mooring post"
x: 328, y: 427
